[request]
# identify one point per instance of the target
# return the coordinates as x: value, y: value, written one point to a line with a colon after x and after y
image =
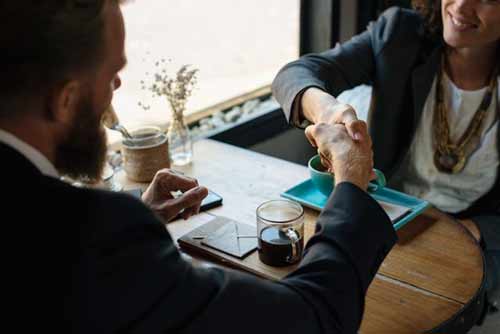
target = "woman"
x: 434, y: 116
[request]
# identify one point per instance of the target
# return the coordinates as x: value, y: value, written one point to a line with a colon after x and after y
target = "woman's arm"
x: 333, y: 71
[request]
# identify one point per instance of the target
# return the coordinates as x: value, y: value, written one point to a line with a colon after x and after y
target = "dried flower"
x: 177, y: 90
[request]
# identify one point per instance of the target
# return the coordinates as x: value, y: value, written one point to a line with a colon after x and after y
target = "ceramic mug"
x: 324, y: 181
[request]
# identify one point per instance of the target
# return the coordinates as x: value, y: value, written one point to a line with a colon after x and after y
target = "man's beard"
x: 82, y: 154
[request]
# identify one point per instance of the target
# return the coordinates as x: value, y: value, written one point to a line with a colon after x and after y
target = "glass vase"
x: 180, y: 145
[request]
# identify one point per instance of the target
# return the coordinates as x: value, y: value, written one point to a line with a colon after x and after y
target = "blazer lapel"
x: 422, y: 79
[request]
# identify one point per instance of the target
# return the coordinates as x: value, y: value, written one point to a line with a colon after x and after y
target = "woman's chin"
x: 457, y: 41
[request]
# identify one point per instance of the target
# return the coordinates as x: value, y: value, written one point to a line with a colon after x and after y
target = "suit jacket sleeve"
x: 344, y: 67
x: 132, y: 278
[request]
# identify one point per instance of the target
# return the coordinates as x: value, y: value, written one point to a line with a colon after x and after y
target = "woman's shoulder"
x: 402, y: 16
x: 397, y: 23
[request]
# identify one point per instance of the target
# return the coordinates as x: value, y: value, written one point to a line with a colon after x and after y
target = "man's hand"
x: 349, y: 160
x: 159, y: 198
x: 320, y: 107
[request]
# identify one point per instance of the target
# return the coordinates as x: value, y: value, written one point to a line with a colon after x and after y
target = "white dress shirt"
x: 30, y: 153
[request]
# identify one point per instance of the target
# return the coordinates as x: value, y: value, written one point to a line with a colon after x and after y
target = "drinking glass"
x: 280, y: 232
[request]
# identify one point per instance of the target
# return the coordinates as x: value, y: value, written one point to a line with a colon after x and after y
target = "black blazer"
x: 118, y: 270
x: 399, y: 60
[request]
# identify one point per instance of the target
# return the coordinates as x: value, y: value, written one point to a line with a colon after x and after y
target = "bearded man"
x: 107, y: 258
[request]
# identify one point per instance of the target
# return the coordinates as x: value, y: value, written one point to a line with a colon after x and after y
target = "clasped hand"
x: 350, y: 160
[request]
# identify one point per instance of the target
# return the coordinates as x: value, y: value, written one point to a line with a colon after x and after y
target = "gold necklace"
x: 451, y: 157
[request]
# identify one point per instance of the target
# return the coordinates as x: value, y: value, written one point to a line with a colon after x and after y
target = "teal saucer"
x: 309, y: 196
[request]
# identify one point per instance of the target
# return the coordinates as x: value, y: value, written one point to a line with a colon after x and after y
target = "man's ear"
x: 64, y: 102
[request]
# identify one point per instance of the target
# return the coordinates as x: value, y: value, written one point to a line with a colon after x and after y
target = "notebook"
x: 221, y: 235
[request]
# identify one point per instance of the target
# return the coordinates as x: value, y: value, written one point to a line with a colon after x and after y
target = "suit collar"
x: 30, y: 153
x: 15, y: 165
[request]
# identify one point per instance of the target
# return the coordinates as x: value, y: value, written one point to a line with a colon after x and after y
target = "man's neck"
x: 471, y: 68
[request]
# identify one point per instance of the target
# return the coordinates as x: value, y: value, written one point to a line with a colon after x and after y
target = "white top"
x: 418, y: 176
x: 30, y: 153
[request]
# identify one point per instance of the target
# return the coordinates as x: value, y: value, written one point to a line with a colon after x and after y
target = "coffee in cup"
x: 280, y: 232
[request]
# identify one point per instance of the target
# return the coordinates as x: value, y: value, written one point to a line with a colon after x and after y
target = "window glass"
x: 237, y: 45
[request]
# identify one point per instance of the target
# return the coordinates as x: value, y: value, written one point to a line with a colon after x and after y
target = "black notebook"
x: 221, y: 235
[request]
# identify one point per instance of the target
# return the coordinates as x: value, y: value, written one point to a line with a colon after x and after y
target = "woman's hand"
x: 320, y: 107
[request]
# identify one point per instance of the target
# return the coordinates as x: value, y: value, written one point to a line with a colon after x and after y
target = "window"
x: 237, y: 45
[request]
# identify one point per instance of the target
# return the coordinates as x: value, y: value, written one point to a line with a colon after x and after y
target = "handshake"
x: 349, y: 159
x: 345, y: 149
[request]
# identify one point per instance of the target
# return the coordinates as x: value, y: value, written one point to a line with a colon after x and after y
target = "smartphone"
x: 211, y: 201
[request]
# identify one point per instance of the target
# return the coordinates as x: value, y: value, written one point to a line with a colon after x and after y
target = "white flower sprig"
x: 177, y: 90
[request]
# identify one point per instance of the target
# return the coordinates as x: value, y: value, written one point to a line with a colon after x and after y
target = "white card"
x: 394, y: 211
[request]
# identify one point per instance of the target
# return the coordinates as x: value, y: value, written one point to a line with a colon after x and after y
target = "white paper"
x: 394, y: 211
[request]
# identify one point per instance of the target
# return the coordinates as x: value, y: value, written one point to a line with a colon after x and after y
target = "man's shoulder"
x: 95, y: 208
x: 68, y: 192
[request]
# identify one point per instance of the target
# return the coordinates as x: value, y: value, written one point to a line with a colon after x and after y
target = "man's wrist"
x: 355, y: 180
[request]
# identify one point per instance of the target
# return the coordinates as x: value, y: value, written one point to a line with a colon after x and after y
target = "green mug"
x: 324, y: 181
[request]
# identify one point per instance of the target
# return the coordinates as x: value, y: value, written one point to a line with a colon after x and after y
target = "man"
x: 107, y: 254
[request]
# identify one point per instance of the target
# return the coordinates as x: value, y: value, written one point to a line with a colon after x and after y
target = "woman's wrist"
x: 315, y: 105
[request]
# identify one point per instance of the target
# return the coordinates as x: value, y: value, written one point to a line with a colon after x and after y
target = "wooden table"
x: 431, y: 280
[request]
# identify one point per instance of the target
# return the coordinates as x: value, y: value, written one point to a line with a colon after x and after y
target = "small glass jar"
x: 179, y: 142
x: 145, y: 153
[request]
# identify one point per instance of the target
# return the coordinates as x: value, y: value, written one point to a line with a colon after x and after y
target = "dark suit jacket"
x: 399, y: 60
x: 118, y: 270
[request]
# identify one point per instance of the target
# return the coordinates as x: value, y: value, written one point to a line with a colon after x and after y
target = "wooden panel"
x: 394, y: 307
x: 243, y: 178
x: 437, y: 254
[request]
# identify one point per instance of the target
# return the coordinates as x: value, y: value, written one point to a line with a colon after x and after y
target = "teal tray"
x: 308, y: 195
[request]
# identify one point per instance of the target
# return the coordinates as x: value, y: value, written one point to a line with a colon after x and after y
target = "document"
x: 394, y: 211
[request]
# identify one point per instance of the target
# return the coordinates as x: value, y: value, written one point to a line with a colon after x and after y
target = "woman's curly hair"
x: 431, y: 12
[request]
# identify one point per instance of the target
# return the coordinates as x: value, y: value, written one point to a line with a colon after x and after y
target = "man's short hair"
x: 45, y: 42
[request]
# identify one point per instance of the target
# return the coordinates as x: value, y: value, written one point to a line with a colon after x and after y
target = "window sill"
x: 210, y: 121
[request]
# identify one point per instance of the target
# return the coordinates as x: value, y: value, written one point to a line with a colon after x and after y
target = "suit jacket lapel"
x: 422, y: 79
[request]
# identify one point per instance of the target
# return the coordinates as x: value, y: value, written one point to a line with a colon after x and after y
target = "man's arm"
x: 131, y: 278
x: 137, y: 281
